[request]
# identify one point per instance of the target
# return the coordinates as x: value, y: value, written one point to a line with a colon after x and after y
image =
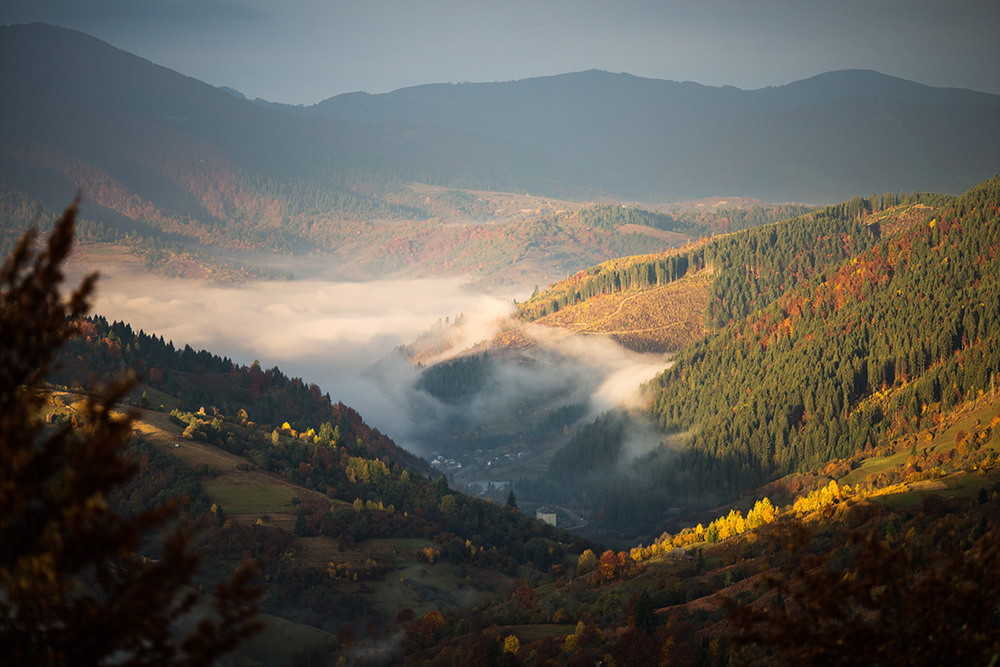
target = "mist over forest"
x: 350, y: 339
x: 337, y: 241
x: 587, y: 368
x: 325, y: 331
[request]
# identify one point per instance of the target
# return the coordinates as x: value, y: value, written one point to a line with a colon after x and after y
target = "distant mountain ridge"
x: 428, y: 102
x: 641, y: 134
x: 166, y: 152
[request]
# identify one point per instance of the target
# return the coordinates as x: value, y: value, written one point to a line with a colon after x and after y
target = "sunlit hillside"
x: 584, y: 369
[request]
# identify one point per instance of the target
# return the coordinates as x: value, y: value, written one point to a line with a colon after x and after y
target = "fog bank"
x: 326, y: 332
x: 346, y: 338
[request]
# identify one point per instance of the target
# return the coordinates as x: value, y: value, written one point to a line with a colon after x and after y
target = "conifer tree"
x: 72, y: 589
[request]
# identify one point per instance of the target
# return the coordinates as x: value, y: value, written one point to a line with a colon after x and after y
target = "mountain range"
x: 158, y: 152
x: 659, y: 140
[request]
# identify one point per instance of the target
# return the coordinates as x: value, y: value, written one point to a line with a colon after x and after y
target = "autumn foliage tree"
x: 908, y: 604
x: 72, y: 589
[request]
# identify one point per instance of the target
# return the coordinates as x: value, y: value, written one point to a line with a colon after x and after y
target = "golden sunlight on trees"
x: 72, y: 589
x: 586, y: 563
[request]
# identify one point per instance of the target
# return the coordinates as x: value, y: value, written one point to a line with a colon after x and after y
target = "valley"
x: 955, y: 459
x: 578, y: 369
x: 359, y: 545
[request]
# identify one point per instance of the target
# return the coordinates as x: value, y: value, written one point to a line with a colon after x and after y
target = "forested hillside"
x: 890, y: 515
x: 870, y: 349
x: 838, y: 332
x: 749, y: 269
x: 783, y: 585
x: 727, y: 276
x: 863, y: 391
x: 192, y: 380
x: 756, y: 267
x: 350, y: 534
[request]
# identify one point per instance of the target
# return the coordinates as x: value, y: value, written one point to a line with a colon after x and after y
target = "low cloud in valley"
x: 345, y: 337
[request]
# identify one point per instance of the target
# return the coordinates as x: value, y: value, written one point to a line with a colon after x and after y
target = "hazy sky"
x: 303, y: 51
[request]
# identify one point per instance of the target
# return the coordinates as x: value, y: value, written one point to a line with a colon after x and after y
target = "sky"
x: 304, y: 51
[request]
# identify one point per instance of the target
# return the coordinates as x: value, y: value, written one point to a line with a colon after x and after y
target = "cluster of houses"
x: 439, y: 462
x: 447, y: 466
x: 503, y: 458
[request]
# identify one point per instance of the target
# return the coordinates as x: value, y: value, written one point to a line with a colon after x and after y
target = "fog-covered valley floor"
x: 347, y: 337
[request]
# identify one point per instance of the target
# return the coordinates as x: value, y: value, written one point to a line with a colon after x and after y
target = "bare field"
x: 251, y: 498
x: 115, y: 258
x: 660, y: 319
